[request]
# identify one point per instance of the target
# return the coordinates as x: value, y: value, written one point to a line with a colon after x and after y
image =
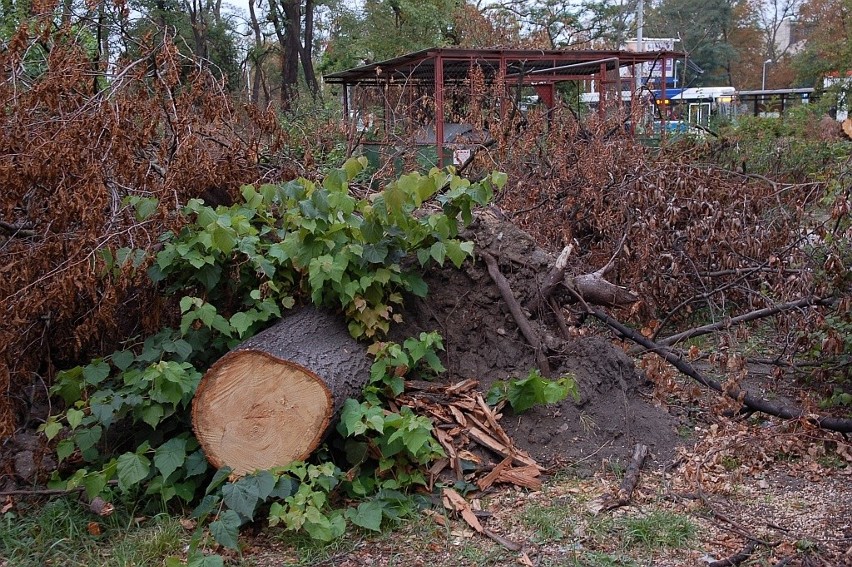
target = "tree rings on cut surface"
x: 271, y: 400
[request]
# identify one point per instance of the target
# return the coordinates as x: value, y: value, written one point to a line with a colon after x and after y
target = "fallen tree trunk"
x: 271, y: 400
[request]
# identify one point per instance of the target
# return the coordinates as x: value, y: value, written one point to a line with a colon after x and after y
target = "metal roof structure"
x: 543, y: 65
x: 439, y: 69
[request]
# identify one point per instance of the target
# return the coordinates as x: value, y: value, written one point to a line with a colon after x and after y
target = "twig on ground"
x: 751, y: 316
x: 628, y: 484
x: 737, y: 558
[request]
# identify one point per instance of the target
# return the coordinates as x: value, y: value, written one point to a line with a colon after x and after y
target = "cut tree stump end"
x: 254, y: 411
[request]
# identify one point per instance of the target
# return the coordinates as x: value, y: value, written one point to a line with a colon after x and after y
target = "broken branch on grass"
x: 748, y: 400
x: 515, y: 308
x: 745, y: 318
x: 628, y: 484
x: 508, y: 544
x: 735, y: 559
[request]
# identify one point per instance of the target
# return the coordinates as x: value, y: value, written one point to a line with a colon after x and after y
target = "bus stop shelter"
x: 444, y: 71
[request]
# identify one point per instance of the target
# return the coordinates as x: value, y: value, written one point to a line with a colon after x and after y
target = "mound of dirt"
x: 483, y: 341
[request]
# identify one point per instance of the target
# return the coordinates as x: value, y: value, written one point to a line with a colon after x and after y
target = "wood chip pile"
x: 468, y: 430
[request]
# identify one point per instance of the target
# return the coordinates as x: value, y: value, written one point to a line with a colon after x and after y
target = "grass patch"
x: 598, y: 559
x: 57, y: 533
x: 550, y: 522
x: 658, y: 530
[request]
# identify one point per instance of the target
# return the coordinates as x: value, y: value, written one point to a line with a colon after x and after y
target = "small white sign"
x: 461, y: 156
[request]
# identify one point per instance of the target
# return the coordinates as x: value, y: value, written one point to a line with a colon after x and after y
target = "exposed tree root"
x: 515, y: 308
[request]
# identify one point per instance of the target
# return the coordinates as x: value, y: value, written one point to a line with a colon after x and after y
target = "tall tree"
x: 384, y: 29
x: 565, y: 23
x: 293, y: 23
x: 828, y: 27
x: 774, y: 17
x: 705, y: 28
x: 747, y: 39
x: 199, y: 30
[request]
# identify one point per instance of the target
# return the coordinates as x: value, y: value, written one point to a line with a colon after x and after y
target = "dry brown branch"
x: 520, y: 319
x: 628, y: 483
x: 745, y: 318
x: 737, y: 558
x: 748, y: 400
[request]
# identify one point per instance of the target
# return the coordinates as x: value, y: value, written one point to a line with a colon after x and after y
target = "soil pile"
x: 483, y: 342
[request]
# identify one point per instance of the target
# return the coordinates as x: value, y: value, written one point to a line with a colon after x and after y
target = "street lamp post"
x: 763, y: 83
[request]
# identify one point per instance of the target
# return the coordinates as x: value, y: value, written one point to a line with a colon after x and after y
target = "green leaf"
x: 218, y: 478
x: 170, y: 455
x: 96, y: 372
x: 354, y: 166
x: 122, y: 359
x: 350, y: 417
x: 368, y: 515
x: 252, y: 198
x: 94, y: 482
x: 152, y: 414
x: 87, y: 437
x: 195, y: 464
x: 375, y: 253
x: 498, y: 178
x: 416, y: 284
x: 198, y: 559
x: 244, y: 495
x: 182, y: 348
x: 284, y: 487
x: 224, y: 239
x: 69, y: 385
x: 337, y: 179
x: 524, y: 394
x: 438, y: 251
x: 323, y: 528
x: 74, y: 417
x: 241, y: 321
x: 226, y: 529
x: 132, y: 469
x: 423, y: 256
x: 145, y: 207
x: 64, y: 449
x: 394, y: 199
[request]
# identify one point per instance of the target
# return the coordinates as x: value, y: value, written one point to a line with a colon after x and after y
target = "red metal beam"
x: 439, y: 108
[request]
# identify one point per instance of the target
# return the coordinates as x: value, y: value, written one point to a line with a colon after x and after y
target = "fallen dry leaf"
x: 8, y: 504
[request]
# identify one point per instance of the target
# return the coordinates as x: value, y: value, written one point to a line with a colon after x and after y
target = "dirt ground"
x: 483, y: 342
x: 784, y: 487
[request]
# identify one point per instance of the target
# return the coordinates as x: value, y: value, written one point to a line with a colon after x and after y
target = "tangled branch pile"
x: 92, y: 167
x: 698, y: 239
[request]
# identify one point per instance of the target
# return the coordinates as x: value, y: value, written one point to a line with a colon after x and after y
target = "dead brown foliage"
x: 696, y: 236
x: 74, y: 145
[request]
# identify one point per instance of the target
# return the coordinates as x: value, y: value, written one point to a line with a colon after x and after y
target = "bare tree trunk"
x: 306, y: 51
x: 282, y: 21
x: 256, y: 59
x: 198, y: 22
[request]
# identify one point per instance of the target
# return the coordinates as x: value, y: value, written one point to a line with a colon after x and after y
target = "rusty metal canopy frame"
x: 439, y: 68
